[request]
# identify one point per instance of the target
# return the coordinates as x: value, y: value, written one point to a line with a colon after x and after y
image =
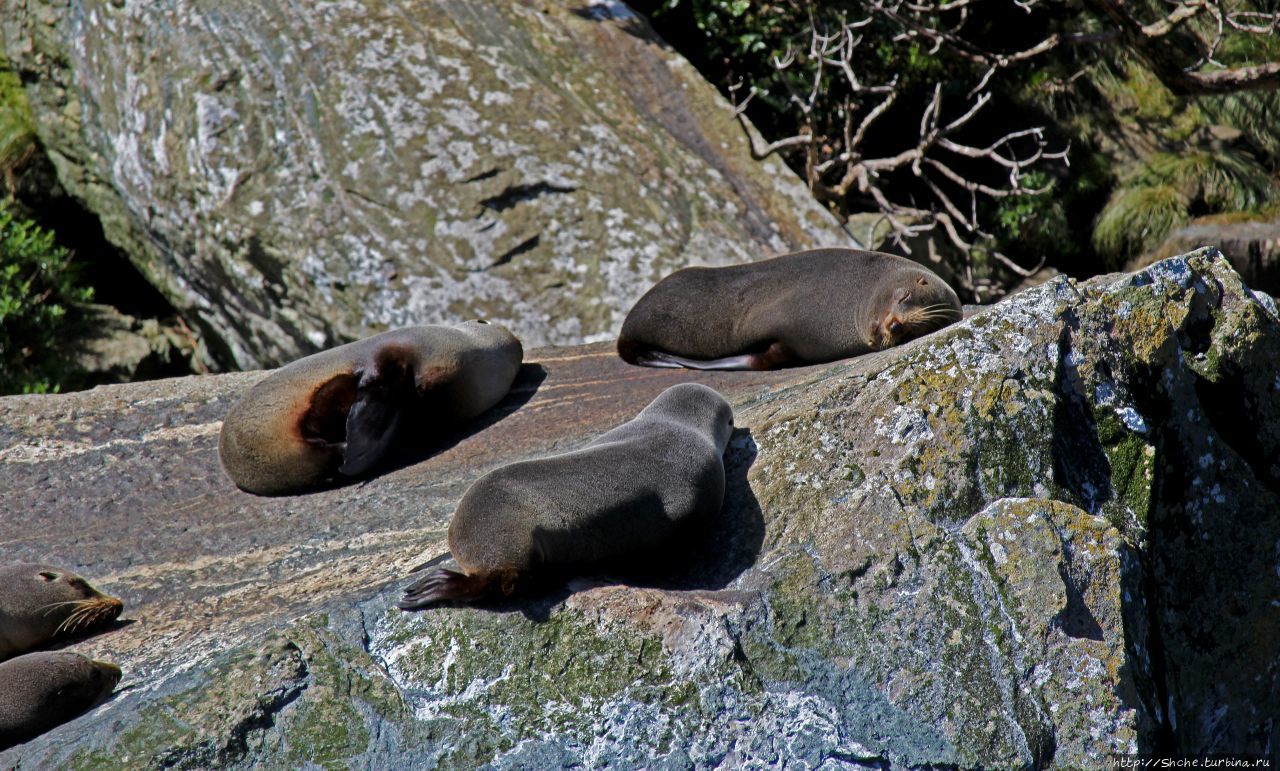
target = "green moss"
x: 327, y: 727
x: 209, y: 724
x: 324, y: 731
x: 314, y: 688
x: 771, y: 664
x: 546, y: 675
x: 796, y: 618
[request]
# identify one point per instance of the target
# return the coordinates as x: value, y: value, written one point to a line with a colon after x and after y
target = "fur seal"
x: 40, y: 602
x: 41, y: 690
x: 340, y: 410
x: 801, y: 308
x: 625, y: 494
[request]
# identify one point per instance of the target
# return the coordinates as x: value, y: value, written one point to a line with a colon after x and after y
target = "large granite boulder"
x: 1038, y: 536
x: 293, y: 175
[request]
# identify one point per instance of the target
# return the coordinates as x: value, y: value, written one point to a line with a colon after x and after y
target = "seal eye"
x: 48, y: 575
x: 481, y: 321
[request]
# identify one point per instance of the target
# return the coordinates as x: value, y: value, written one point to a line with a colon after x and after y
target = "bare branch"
x: 1164, y: 60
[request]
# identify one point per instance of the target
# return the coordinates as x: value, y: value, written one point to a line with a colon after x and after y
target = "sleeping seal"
x: 41, y: 690
x: 627, y: 493
x: 801, y: 308
x: 339, y: 411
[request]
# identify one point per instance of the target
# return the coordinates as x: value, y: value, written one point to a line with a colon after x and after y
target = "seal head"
x: 41, y: 602
x: 41, y: 690
x: 909, y: 303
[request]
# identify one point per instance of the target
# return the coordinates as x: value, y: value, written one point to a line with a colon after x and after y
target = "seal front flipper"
x: 776, y: 355
x: 442, y: 585
x: 372, y: 426
x: 385, y: 391
x: 660, y: 359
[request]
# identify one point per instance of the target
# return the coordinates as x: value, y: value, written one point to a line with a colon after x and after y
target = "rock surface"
x: 108, y: 346
x: 296, y: 175
x: 1253, y: 248
x: 1040, y: 535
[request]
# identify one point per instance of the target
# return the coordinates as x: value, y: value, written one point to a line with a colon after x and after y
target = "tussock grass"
x: 1169, y: 190
x: 1136, y: 219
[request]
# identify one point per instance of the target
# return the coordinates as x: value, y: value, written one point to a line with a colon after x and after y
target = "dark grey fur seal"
x: 340, y: 410
x: 40, y: 602
x: 801, y: 308
x: 626, y: 493
x: 39, y: 691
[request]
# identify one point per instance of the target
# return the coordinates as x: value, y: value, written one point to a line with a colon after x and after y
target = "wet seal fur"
x: 623, y: 496
x: 39, y: 691
x: 41, y: 602
x: 802, y: 308
x: 339, y: 411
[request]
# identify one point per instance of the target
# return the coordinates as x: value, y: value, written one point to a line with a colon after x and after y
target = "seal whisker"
x: 72, y: 622
x: 48, y: 608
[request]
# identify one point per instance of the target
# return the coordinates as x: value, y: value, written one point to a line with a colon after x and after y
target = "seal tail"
x: 442, y: 585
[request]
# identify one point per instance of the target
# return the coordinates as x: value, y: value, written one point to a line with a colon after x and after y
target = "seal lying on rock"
x: 339, y: 411
x: 628, y: 493
x: 41, y: 690
x: 801, y: 308
x: 40, y: 602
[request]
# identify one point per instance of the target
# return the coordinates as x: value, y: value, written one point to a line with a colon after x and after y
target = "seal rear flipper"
x: 372, y: 425
x: 442, y: 585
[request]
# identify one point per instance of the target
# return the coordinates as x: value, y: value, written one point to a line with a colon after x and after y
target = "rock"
x: 293, y: 176
x: 113, y: 347
x: 1253, y: 248
x: 1038, y: 536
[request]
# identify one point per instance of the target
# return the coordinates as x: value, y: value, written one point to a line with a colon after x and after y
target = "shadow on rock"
x: 723, y: 548
x: 73, y: 638
x: 526, y: 384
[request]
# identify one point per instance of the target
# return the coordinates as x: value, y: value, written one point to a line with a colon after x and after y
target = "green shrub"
x: 1169, y: 190
x: 38, y: 294
x: 18, y: 142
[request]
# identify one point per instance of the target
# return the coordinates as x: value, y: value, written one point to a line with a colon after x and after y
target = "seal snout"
x: 110, y: 674
x: 89, y: 613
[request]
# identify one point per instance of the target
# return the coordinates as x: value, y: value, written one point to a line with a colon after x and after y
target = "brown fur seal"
x: 40, y: 602
x: 339, y: 411
x: 801, y: 308
x: 41, y: 690
x: 628, y: 492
